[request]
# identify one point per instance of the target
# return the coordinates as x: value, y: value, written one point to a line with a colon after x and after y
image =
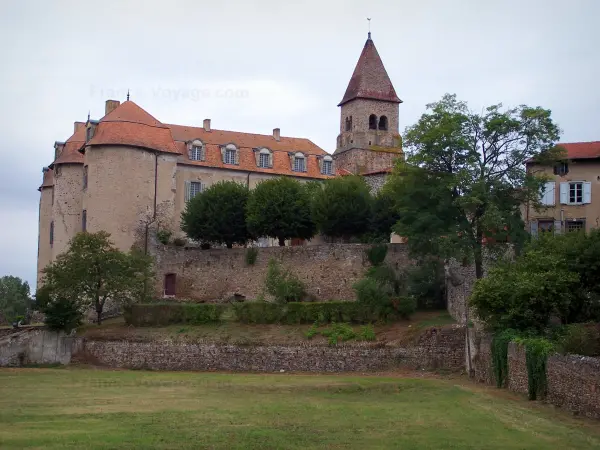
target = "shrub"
x: 283, y: 285
x: 580, y: 339
x: 366, y: 333
x: 159, y: 314
x: 376, y: 254
x: 251, y: 255
x: 426, y: 282
x: 257, y: 312
x: 338, y: 332
x: 164, y: 236
x: 537, y: 350
x: 179, y: 242
x: 299, y: 313
x: 499, y: 350
x: 62, y: 314
x: 405, y: 306
x: 386, y: 276
x: 376, y: 296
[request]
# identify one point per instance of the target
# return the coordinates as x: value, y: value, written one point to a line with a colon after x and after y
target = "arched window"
x: 372, y: 122
x: 264, y: 158
x: 299, y: 162
x: 170, y: 283
x: 230, y: 154
x: 51, y: 233
x: 349, y: 123
x: 196, y: 151
x: 383, y: 123
x: 327, y: 166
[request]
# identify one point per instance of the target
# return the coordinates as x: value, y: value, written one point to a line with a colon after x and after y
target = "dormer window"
x: 196, y: 151
x: 230, y: 154
x: 265, y: 158
x: 299, y: 162
x: 327, y: 165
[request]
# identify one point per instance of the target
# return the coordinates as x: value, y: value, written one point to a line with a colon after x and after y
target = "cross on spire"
x: 127, y: 94
x: 369, y: 19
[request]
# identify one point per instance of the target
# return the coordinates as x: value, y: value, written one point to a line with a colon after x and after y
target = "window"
x: 195, y: 188
x: 383, y: 123
x: 299, y: 163
x: 548, y: 196
x: 575, y: 225
x: 51, y: 233
x: 196, y: 152
x: 264, y: 158
x: 561, y: 169
x: 170, y: 284
x: 575, y: 192
x: 85, y: 177
x: 53, y: 195
x: 349, y: 123
x: 545, y: 226
x: 84, y: 221
x: 372, y: 122
x: 230, y: 155
x: 327, y: 167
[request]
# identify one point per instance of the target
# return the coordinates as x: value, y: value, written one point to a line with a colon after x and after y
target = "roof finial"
x: 88, y: 115
x: 127, y: 94
x: 369, y: 19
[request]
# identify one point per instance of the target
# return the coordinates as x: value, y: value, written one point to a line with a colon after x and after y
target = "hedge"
x: 297, y: 313
x: 156, y: 314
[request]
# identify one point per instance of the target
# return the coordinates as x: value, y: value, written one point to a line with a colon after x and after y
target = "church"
x: 128, y: 172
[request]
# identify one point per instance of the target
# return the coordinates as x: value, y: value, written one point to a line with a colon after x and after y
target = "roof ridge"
x: 239, y: 132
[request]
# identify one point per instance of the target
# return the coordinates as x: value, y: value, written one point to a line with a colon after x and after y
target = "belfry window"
x: 372, y: 122
x: 349, y: 123
x: 383, y: 123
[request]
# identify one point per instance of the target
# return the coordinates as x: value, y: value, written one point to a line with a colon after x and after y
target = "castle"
x: 128, y: 171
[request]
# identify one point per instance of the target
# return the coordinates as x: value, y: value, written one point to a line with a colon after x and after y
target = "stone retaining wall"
x: 37, y: 346
x: 436, y: 348
x: 517, y: 369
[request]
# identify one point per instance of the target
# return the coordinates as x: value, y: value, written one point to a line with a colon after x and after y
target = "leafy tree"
x: 465, y: 179
x: 384, y: 216
x: 92, y: 270
x: 217, y: 215
x: 62, y: 314
x: 14, y: 297
x: 280, y: 208
x: 343, y: 207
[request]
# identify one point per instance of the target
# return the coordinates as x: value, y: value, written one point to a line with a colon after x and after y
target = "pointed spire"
x: 127, y: 94
x: 370, y: 79
x: 369, y: 34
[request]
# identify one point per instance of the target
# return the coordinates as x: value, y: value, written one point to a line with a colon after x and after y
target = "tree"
x: 343, y: 207
x: 465, y: 178
x: 92, y: 271
x: 14, y: 297
x: 384, y: 216
x: 218, y: 215
x: 280, y: 208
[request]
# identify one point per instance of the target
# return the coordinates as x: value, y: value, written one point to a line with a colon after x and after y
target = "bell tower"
x: 369, y: 140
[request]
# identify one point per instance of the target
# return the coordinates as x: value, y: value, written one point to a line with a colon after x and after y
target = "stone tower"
x: 369, y: 140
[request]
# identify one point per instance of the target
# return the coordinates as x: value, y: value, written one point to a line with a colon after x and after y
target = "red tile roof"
x: 582, y: 150
x: 370, y: 79
x: 377, y: 172
x: 70, y: 153
x: 48, y: 180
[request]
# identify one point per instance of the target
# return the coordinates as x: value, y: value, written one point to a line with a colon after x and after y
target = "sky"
x: 257, y: 65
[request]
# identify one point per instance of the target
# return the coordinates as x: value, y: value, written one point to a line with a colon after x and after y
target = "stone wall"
x: 328, y: 270
x: 436, y: 348
x: 481, y: 357
x: 37, y: 346
x: 517, y: 369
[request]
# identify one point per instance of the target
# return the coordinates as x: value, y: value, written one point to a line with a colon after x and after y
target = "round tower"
x: 46, y: 225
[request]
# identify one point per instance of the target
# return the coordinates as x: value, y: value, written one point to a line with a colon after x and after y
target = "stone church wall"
x: 328, y: 271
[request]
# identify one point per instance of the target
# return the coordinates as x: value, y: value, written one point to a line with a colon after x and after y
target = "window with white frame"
x: 575, y: 193
x: 264, y: 158
x: 327, y: 166
x: 230, y: 156
x: 192, y: 188
x: 196, y: 152
x: 299, y: 162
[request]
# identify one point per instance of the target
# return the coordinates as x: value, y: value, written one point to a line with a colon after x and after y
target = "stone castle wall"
x: 328, y: 271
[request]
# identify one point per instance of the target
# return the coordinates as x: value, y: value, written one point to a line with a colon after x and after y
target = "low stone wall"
x: 574, y: 384
x: 482, y: 357
x: 436, y: 348
x: 517, y: 369
x: 37, y: 346
x: 328, y: 271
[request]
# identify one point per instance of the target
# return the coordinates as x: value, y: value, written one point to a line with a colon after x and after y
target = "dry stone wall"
x: 328, y: 271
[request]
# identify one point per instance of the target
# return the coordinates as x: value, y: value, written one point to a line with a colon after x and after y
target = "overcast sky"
x: 256, y: 65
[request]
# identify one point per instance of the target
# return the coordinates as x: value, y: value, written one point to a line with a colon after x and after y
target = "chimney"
x: 77, y: 126
x: 111, y: 105
x: 206, y: 124
x: 277, y: 134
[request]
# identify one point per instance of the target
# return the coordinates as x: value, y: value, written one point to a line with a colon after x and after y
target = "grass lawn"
x: 252, y: 334
x: 82, y: 408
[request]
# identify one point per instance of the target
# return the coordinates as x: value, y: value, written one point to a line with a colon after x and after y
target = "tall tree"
x: 465, y: 179
x: 280, y: 208
x: 14, y: 297
x: 342, y: 209
x: 218, y: 215
x: 92, y: 271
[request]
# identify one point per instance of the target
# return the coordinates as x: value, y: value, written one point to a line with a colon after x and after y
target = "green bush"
x: 164, y: 236
x: 537, y: 350
x: 499, y: 350
x: 62, y: 314
x: 366, y: 333
x: 160, y: 314
x: 405, y: 306
x: 257, y: 312
x: 386, y: 276
x: 580, y: 339
x: 376, y: 296
x: 338, y: 332
x: 300, y: 312
x: 376, y: 254
x: 179, y: 242
x: 251, y: 255
x: 283, y: 285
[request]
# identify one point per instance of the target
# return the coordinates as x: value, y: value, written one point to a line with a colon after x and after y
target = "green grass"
x: 441, y: 319
x: 80, y: 408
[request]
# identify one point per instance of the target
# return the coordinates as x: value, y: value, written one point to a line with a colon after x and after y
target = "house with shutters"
x: 128, y: 171
x: 571, y: 200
